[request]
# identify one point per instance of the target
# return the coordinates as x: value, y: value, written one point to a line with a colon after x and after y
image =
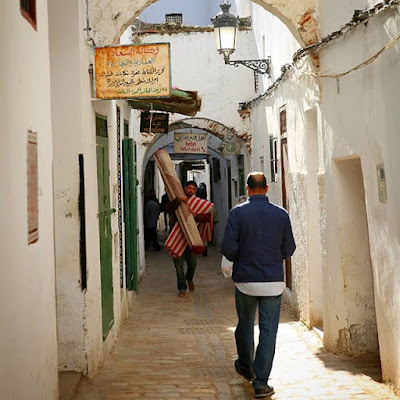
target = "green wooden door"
x: 129, y: 162
x: 104, y: 216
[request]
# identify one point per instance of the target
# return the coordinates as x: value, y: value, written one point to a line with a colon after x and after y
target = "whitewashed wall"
x: 28, y: 346
x: 274, y: 39
x: 335, y: 145
x: 360, y: 119
x: 79, y: 316
x: 67, y: 116
x: 196, y: 65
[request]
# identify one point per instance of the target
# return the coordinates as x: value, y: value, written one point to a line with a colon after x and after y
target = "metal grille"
x: 173, y: 19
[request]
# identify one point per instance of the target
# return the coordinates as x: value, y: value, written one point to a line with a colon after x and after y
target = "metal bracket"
x: 260, y: 66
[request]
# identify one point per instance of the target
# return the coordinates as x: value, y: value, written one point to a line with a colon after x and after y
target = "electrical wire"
x: 288, y: 69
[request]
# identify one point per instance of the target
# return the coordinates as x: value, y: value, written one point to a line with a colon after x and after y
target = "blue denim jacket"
x: 258, y: 236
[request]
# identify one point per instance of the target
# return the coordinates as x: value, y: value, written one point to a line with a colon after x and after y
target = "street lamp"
x: 225, y: 29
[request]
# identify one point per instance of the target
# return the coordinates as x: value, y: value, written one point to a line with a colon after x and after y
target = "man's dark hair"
x: 256, y: 180
x: 193, y: 183
x: 152, y: 195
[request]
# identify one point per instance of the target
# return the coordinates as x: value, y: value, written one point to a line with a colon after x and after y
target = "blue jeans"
x: 181, y: 277
x: 269, y: 308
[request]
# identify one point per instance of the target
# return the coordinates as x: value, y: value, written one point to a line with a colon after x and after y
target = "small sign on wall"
x: 33, y: 188
x: 159, y: 122
x: 380, y: 169
x: 189, y: 142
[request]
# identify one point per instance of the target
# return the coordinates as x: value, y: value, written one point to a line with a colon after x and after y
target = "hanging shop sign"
x: 190, y: 142
x: 134, y: 71
x: 159, y: 122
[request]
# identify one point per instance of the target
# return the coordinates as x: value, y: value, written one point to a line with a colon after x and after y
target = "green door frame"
x: 130, y: 213
x: 105, y: 233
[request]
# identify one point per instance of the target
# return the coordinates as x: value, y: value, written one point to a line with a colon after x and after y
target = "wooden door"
x: 285, y: 203
x: 104, y: 216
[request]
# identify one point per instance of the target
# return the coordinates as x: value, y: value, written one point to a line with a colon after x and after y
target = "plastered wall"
x: 28, y: 347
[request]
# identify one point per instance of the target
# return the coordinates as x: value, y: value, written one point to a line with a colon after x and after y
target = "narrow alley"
x: 184, y: 348
x: 109, y: 108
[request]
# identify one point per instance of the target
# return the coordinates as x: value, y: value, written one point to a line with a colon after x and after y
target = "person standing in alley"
x: 164, y: 201
x: 201, y: 191
x: 257, y: 238
x: 188, y: 255
x: 151, y: 214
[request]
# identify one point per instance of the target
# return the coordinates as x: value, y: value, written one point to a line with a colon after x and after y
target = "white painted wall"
x: 66, y: 109
x: 361, y: 119
x: 28, y: 346
x: 356, y: 117
x: 196, y: 65
x: 80, y: 343
x: 274, y: 39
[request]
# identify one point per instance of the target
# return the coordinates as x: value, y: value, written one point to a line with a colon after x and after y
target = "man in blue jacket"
x: 258, y: 237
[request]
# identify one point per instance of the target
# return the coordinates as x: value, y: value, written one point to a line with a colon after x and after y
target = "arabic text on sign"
x: 132, y: 71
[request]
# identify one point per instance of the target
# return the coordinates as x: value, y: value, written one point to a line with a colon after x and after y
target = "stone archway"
x: 108, y: 20
x: 231, y: 141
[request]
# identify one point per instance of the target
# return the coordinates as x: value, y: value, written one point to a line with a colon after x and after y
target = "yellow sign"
x: 136, y: 71
x: 190, y: 142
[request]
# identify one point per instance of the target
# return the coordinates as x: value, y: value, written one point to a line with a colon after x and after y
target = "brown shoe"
x: 182, y: 293
x: 190, y: 285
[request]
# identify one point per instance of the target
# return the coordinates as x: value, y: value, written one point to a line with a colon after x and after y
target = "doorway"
x: 285, y: 169
x: 359, y: 336
x: 130, y: 217
x: 104, y: 216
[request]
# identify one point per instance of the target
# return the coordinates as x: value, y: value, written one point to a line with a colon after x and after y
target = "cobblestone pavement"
x: 184, y: 348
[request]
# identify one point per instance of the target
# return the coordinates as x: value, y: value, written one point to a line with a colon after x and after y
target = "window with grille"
x: 28, y: 10
x: 273, y: 150
x: 174, y: 19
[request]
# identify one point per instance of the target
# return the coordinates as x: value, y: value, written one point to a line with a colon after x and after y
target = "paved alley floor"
x: 184, y: 348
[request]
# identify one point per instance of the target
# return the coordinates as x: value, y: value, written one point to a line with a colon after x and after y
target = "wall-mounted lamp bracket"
x: 260, y: 66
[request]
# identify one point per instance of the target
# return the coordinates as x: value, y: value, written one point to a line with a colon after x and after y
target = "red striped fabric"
x: 176, y: 242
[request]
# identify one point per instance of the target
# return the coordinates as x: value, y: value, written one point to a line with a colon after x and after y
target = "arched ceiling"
x: 109, y: 19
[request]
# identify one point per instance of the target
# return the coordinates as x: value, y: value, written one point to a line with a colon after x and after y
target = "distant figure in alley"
x: 151, y: 214
x: 164, y: 201
x: 258, y: 237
